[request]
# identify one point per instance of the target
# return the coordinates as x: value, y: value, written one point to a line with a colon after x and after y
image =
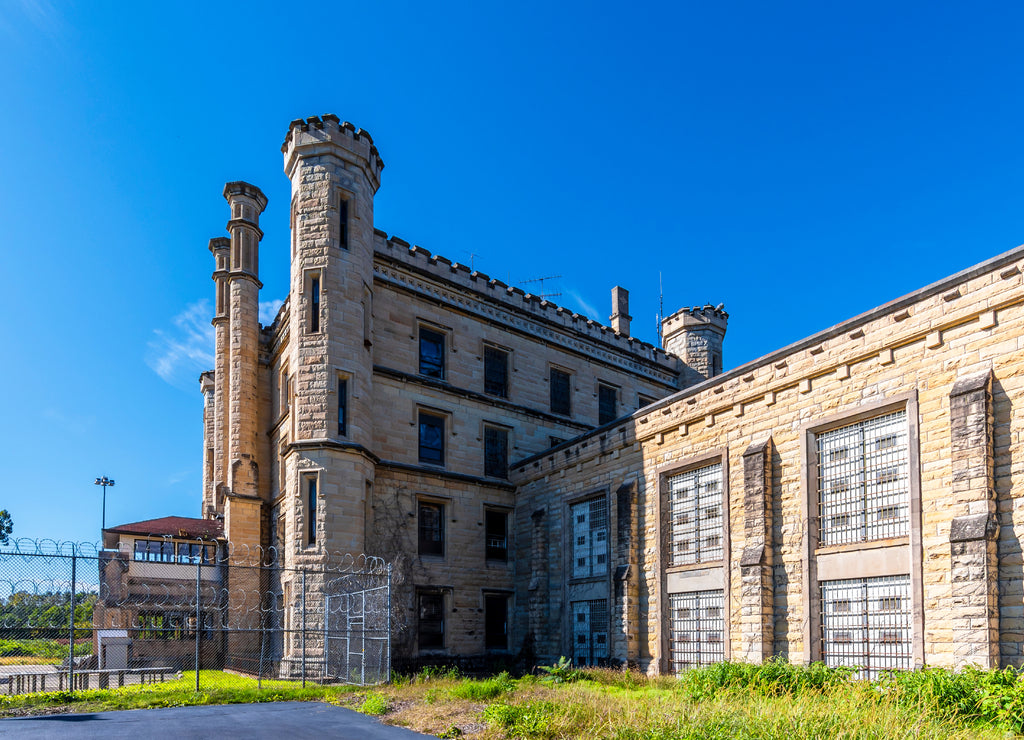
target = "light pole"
x: 104, y: 481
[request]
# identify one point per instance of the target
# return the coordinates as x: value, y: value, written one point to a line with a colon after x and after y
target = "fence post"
x: 303, y: 638
x: 199, y: 623
x: 71, y: 624
x: 388, y: 624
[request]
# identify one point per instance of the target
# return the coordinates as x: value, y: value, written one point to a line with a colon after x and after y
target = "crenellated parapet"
x: 695, y: 334
x: 517, y: 300
x: 320, y: 134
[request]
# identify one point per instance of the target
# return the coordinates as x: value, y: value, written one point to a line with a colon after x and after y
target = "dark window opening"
x: 314, y: 305
x: 311, y: 508
x: 342, y: 407
x: 431, y: 354
x: 495, y: 452
x: 343, y: 223
x: 495, y: 372
x: 496, y: 622
x: 607, y: 404
x: 174, y: 625
x: 431, y: 439
x: 431, y: 528
x: 561, y: 401
x: 496, y: 534
x: 554, y: 441
x: 431, y: 621
x: 646, y: 401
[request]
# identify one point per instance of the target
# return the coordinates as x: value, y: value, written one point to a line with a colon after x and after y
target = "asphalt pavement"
x: 277, y: 720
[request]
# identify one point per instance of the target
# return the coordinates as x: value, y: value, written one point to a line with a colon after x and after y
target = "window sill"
x: 869, y: 545
x: 588, y: 579
x: 694, y: 566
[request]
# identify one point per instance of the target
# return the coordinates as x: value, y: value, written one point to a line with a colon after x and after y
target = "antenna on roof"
x: 541, y: 280
x: 661, y: 308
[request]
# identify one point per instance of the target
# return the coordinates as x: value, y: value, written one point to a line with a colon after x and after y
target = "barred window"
x: 496, y: 535
x: 697, y: 633
x: 607, y: 403
x: 431, y: 528
x: 866, y: 624
x: 864, y: 481
x: 495, y: 372
x: 590, y: 538
x: 173, y: 625
x: 166, y: 551
x: 560, y: 392
x: 695, y: 504
x: 495, y: 452
x: 589, y: 632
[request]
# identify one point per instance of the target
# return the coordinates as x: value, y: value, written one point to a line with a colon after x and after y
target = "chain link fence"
x: 73, y: 616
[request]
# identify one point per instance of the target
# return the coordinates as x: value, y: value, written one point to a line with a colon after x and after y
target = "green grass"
x: 774, y: 701
x: 51, y: 650
x: 216, y: 687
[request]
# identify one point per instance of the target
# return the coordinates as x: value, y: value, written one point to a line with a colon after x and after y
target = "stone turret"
x: 335, y: 172
x: 695, y: 335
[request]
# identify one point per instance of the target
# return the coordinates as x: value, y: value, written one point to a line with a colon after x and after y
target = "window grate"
x: 607, y: 404
x: 866, y: 624
x: 590, y: 538
x: 695, y: 501
x: 495, y: 372
x: 864, y: 481
x: 589, y: 632
x: 697, y: 634
x: 495, y: 452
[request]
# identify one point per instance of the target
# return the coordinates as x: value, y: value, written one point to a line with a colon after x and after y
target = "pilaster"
x: 757, y: 604
x: 974, y: 565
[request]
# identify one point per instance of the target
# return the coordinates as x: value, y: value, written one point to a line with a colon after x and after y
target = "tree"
x: 6, y: 527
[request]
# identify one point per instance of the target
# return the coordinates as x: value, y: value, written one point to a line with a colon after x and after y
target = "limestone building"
x: 545, y: 485
x: 380, y: 410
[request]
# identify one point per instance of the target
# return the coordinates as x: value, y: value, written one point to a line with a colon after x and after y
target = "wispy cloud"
x: 268, y: 310
x: 588, y: 310
x: 179, y: 353
x: 39, y: 14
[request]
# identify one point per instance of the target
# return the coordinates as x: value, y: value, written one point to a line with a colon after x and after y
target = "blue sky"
x: 800, y: 162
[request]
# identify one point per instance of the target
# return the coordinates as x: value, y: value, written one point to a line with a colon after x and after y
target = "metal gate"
x: 357, y: 635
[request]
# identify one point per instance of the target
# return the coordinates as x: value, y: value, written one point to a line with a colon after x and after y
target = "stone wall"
x: 922, y: 353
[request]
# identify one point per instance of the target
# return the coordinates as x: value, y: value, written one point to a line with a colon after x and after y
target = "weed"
x: 375, y: 704
x: 485, y: 690
x: 562, y: 671
x: 438, y: 671
x: 528, y: 720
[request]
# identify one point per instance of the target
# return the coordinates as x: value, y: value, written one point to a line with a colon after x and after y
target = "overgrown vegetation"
x: 45, y: 651
x: 728, y: 700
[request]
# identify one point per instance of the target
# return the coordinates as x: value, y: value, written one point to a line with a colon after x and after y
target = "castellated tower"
x: 695, y: 334
x: 335, y: 171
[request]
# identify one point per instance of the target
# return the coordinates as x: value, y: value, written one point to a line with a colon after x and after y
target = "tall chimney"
x: 620, y: 310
